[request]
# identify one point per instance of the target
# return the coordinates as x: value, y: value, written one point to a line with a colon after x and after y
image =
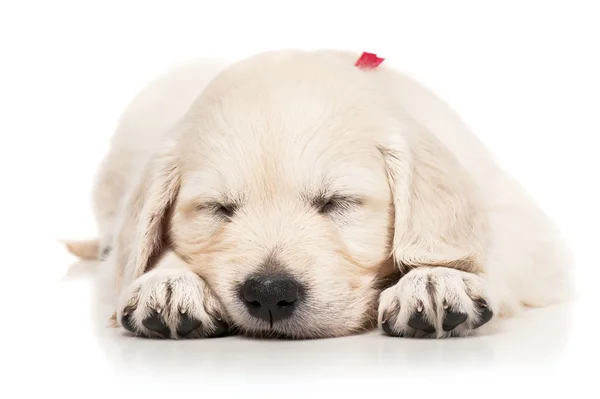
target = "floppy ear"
x: 438, y: 220
x: 141, y: 236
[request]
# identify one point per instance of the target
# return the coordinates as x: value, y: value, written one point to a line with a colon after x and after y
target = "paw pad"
x: 171, y: 304
x: 156, y: 323
x: 418, y: 322
x: 187, y: 325
x: 436, y: 301
x: 453, y: 319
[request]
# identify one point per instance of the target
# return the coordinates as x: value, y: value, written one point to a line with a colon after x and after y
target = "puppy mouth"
x: 270, y: 312
x: 300, y: 327
x: 267, y: 332
x: 260, y: 322
x: 254, y: 321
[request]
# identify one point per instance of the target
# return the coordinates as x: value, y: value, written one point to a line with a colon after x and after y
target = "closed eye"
x: 335, y: 203
x: 224, y: 210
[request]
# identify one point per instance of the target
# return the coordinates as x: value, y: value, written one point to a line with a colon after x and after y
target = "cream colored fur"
x: 274, y: 131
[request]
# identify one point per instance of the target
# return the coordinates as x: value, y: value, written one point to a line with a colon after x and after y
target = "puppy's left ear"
x: 438, y: 218
x: 141, y: 236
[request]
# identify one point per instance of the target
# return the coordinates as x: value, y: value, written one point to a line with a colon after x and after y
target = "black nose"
x: 271, y: 297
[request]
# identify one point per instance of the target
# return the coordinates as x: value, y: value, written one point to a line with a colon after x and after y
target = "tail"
x: 88, y: 250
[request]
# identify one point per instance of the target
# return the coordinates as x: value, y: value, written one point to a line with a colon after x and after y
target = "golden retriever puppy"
x: 298, y: 194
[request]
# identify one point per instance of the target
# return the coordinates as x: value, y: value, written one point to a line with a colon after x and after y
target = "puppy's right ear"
x: 141, y: 234
x: 438, y: 220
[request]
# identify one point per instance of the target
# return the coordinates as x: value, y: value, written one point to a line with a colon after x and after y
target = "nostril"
x: 254, y: 304
x: 283, y: 304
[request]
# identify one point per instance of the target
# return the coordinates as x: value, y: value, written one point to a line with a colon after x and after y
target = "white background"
x: 523, y: 74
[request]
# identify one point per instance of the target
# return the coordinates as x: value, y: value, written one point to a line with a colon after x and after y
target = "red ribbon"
x: 368, y: 61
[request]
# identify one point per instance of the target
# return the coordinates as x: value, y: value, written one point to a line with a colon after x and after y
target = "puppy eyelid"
x: 225, y: 210
x: 335, y: 202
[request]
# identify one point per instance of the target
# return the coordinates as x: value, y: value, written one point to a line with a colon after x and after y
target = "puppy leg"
x: 435, y: 302
x: 170, y: 301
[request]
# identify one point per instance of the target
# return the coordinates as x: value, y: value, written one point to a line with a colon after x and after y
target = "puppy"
x: 298, y: 194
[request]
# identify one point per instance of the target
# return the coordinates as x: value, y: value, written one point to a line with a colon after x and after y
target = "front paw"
x: 171, y: 304
x: 435, y: 302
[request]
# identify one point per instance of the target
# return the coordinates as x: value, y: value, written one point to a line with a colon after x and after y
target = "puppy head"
x: 291, y: 191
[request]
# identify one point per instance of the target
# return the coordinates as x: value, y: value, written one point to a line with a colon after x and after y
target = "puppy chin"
x: 289, y: 332
x: 302, y: 327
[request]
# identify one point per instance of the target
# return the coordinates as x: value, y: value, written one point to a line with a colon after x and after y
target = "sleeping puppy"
x: 295, y: 194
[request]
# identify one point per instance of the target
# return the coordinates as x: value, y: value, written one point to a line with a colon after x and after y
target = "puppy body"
x: 215, y: 171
